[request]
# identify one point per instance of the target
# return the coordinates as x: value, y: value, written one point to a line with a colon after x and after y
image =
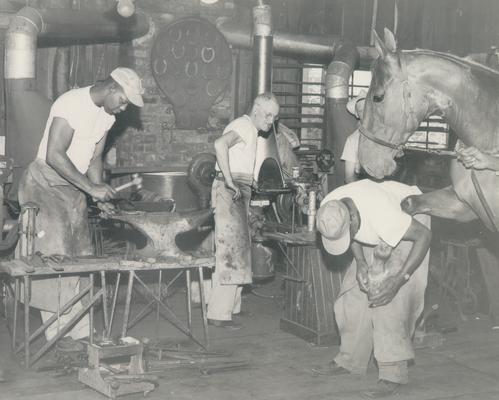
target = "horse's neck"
x: 464, y: 107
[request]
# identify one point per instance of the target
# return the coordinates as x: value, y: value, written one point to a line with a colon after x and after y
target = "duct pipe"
x: 312, y: 48
x: 267, y: 163
x: 262, y: 50
x: 339, y: 123
x: 27, y: 110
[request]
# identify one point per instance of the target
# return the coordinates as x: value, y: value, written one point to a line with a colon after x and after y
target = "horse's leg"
x: 441, y: 203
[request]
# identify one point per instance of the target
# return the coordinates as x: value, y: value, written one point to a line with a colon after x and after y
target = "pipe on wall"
x: 339, y: 123
x: 262, y: 50
x: 332, y: 50
x: 267, y: 170
x: 26, y: 109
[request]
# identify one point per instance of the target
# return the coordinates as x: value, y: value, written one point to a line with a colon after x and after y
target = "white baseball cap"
x: 333, y: 222
x: 130, y: 82
x: 353, y: 102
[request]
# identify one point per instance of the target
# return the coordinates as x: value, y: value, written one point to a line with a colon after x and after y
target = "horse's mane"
x: 464, y: 62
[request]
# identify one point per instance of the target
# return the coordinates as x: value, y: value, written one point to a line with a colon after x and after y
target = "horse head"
x: 390, y: 113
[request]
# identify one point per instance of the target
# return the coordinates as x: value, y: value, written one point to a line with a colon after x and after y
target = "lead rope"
x: 483, y: 200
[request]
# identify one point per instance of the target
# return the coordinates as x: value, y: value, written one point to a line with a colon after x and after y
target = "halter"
x: 402, y: 146
x: 409, y: 115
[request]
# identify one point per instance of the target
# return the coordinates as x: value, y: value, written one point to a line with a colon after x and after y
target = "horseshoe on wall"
x: 179, y: 34
x: 155, y: 66
x: 174, y: 52
x: 211, y: 52
x: 188, y: 69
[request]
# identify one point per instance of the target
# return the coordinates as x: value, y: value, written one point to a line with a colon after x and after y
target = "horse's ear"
x: 390, y: 42
x: 379, y: 45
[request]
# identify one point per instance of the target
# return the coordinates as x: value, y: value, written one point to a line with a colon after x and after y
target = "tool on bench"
x: 40, y: 260
x: 136, y: 181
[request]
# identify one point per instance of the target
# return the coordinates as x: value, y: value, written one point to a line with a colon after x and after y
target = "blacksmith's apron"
x: 232, y: 235
x: 64, y: 220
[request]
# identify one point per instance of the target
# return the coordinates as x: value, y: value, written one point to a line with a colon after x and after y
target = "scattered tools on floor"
x: 162, y: 359
x: 127, y: 365
x: 117, y: 369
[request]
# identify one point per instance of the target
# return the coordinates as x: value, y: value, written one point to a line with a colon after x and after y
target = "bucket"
x: 262, y: 261
x: 172, y: 185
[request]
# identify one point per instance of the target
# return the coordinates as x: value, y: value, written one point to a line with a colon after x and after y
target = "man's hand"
x: 237, y: 192
x: 471, y: 157
x: 107, y: 208
x: 387, y: 291
x: 102, y: 192
x: 362, y: 278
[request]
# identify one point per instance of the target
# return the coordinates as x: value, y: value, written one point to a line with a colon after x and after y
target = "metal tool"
x: 136, y: 181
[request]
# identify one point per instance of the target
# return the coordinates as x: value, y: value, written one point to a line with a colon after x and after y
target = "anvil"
x: 161, y: 229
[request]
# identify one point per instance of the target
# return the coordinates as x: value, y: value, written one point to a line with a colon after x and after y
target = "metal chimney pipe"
x: 262, y: 50
x: 64, y: 26
x: 339, y: 123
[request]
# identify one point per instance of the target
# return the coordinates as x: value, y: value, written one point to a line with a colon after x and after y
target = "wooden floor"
x: 465, y: 366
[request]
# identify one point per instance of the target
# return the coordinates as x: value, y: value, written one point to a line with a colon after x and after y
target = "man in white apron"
x: 67, y: 167
x: 231, y: 193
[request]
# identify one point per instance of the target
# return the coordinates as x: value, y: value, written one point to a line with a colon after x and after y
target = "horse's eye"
x: 378, y: 98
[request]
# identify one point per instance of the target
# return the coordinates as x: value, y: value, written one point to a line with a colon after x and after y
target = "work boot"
x: 331, y: 369
x: 229, y: 325
x: 383, y: 389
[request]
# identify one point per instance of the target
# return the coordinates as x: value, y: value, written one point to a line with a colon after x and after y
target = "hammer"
x: 136, y: 181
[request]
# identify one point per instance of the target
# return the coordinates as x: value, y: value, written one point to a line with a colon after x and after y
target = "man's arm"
x: 362, y: 266
x: 420, y: 236
x: 95, y: 168
x: 59, y: 140
x: 95, y: 173
x: 222, y: 146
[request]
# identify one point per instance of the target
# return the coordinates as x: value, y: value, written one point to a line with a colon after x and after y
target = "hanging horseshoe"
x: 207, y: 58
x: 188, y: 69
x: 156, y: 67
x: 178, y: 55
x: 177, y: 37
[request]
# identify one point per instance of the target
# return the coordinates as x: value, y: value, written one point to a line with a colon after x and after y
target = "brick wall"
x: 148, y: 137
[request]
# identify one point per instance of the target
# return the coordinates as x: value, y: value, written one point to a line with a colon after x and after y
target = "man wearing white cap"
x: 350, y: 155
x: 377, y: 307
x: 68, y: 167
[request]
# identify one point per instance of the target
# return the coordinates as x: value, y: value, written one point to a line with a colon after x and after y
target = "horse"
x: 407, y: 86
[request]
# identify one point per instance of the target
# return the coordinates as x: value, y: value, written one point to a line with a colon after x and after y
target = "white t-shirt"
x: 242, y: 155
x: 90, y: 124
x: 379, y: 209
x: 351, y: 148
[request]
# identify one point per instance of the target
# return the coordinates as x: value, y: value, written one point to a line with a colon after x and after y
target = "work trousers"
x: 386, y: 330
